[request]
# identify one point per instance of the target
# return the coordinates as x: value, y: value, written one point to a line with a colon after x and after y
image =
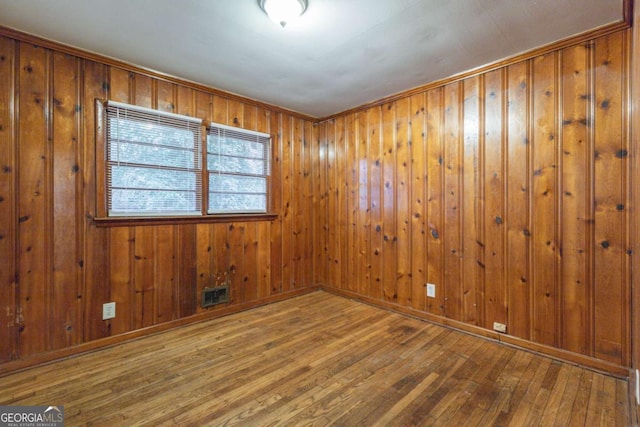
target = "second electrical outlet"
x: 431, y: 290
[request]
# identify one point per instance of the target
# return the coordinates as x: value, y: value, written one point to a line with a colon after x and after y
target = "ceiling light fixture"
x: 283, y: 11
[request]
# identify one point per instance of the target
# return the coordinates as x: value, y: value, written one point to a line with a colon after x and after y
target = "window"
x: 156, y: 168
x: 153, y: 162
x: 238, y: 166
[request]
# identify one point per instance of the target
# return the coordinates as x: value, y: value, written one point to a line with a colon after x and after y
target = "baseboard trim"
x: 68, y: 352
x: 552, y: 352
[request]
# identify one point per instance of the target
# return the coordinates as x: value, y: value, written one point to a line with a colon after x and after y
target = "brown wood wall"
x: 509, y: 190
x: 57, y: 268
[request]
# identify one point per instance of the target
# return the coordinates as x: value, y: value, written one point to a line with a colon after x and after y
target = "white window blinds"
x: 153, y: 162
x: 238, y: 165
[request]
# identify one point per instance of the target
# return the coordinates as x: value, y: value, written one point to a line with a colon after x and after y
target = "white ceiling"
x: 338, y: 55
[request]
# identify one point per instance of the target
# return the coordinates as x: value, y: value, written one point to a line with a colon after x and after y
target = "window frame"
x: 101, y: 218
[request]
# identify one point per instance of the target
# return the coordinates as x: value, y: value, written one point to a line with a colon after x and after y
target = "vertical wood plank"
x: 403, y: 202
x: 121, y: 280
x: 576, y: 199
x: 163, y: 296
x: 472, y: 203
x: 363, y: 220
x: 288, y: 214
x: 352, y: 205
x: 142, y: 88
x: 67, y: 309
x: 8, y: 199
x: 235, y: 113
x: 298, y: 232
x: 339, y: 215
x: 494, y: 189
x: 235, y: 241
x: 220, y: 107
x: 389, y: 205
x: 333, y: 247
x: 165, y: 96
x: 376, y: 180
x: 610, y: 200
x: 545, y: 170
x: 320, y: 206
x: 419, y: 178
x: 187, y: 253
x: 220, y: 262
x: 185, y: 101
x: 33, y: 169
x: 204, y: 260
x: 307, y: 249
x: 120, y: 88
x: 517, y: 204
x: 251, y: 268
x: 452, y: 234
x: 436, y: 170
x: 144, y: 277
x: 263, y: 257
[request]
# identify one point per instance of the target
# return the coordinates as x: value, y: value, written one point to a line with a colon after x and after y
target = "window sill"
x: 178, y: 220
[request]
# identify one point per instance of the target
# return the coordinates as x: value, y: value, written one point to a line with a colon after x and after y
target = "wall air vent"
x: 213, y: 296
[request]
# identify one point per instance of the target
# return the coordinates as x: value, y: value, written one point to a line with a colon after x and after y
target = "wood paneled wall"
x: 57, y: 268
x: 509, y: 190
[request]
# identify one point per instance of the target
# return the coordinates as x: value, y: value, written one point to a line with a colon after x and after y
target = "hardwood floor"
x: 318, y: 359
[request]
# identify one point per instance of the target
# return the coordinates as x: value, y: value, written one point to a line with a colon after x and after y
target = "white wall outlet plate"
x: 108, y: 310
x: 500, y: 327
x: 431, y: 290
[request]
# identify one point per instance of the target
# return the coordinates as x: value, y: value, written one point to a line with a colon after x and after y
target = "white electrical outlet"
x: 108, y: 310
x: 500, y: 327
x: 431, y: 290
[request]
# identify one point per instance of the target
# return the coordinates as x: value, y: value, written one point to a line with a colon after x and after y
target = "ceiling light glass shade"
x: 283, y: 11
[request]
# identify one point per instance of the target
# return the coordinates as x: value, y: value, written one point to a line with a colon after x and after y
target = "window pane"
x: 235, y: 147
x: 152, y: 155
x: 127, y: 201
x: 140, y: 130
x: 219, y: 203
x: 237, y: 184
x: 161, y: 179
x: 234, y: 164
x: 154, y: 164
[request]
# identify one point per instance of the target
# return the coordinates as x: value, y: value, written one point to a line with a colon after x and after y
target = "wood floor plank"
x: 555, y: 396
x: 524, y: 398
x: 565, y: 404
x: 578, y: 415
x: 318, y: 359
